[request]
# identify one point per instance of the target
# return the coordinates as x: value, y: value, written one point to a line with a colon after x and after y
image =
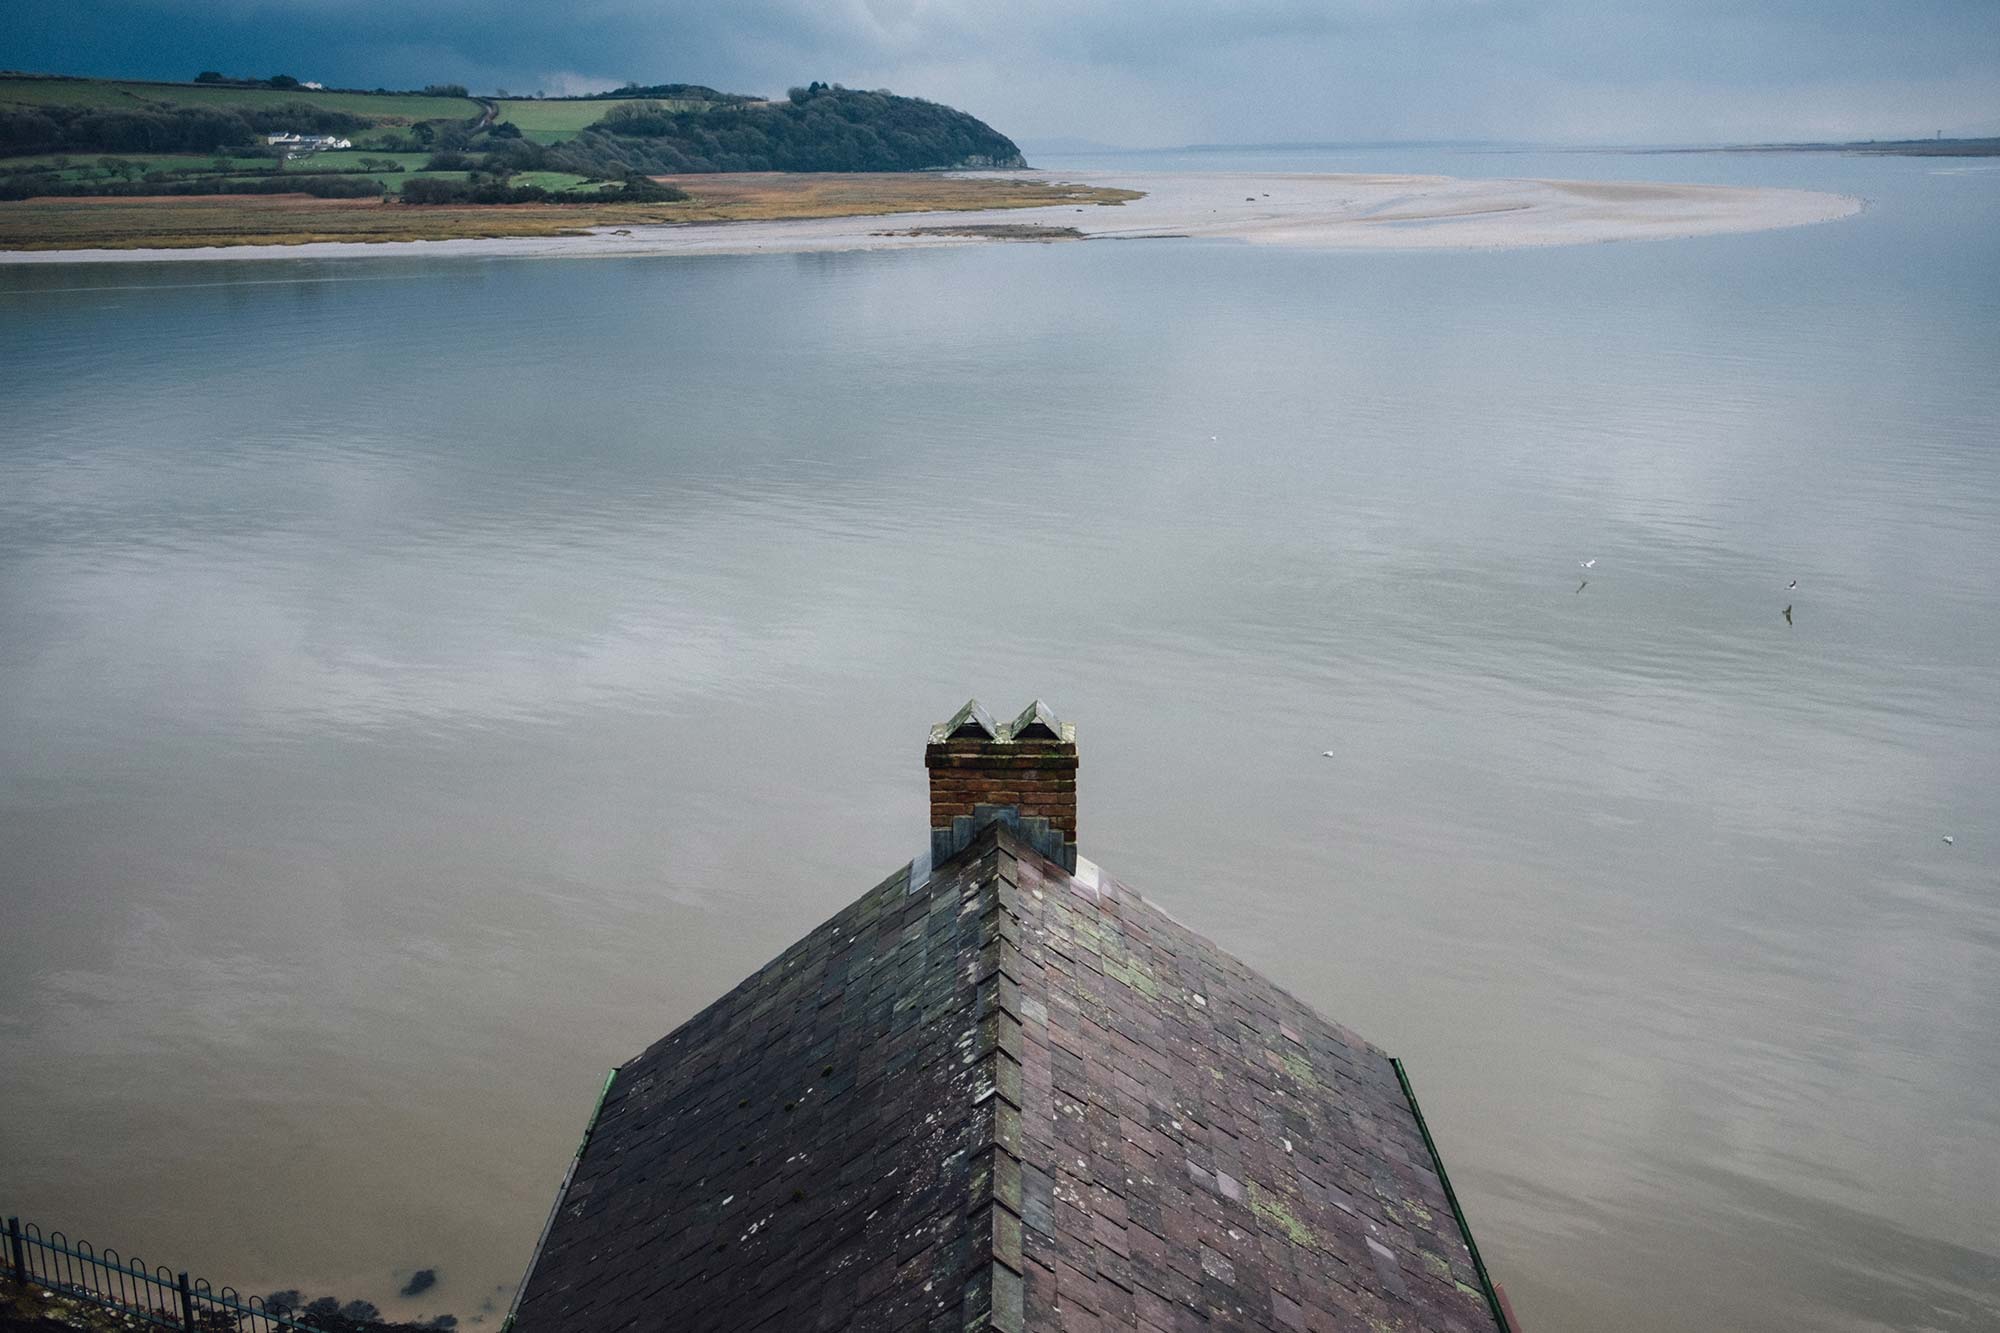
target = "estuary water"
x: 423, y: 683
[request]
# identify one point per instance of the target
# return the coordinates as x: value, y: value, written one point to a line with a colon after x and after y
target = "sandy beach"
x: 1346, y: 212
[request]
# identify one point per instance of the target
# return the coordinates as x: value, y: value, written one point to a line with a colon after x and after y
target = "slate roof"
x: 999, y: 1096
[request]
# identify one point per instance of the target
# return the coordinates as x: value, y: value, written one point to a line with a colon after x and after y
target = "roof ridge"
x: 995, y: 1293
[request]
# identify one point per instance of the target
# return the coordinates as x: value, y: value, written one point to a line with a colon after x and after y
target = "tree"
x: 282, y: 81
x: 819, y: 128
x: 208, y: 76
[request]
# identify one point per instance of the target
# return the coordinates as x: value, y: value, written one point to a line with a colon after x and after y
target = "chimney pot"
x: 1036, y: 723
x: 970, y: 723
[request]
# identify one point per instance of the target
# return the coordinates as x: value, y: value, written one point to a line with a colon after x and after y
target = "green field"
x: 553, y: 121
x: 557, y: 180
x: 113, y: 95
x: 350, y: 159
x: 413, y: 165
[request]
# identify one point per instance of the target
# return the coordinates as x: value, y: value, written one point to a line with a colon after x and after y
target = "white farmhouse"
x: 298, y: 145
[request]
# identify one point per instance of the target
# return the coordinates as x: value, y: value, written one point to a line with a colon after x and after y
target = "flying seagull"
x: 1947, y: 840
x: 1793, y: 584
x: 1328, y: 754
x: 1587, y: 564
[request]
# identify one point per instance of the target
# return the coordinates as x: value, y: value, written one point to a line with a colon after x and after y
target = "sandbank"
x: 1340, y: 212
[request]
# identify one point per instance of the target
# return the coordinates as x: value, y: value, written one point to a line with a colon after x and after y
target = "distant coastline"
x: 1962, y: 146
x: 1939, y: 147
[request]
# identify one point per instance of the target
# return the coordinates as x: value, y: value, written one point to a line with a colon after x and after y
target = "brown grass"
x: 178, y: 221
x: 769, y: 194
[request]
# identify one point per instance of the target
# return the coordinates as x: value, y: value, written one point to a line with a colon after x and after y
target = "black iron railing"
x: 158, y: 1295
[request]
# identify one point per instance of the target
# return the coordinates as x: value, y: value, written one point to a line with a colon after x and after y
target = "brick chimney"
x: 1020, y: 773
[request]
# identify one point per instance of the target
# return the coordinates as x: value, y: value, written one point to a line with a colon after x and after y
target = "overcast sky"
x: 1133, y: 72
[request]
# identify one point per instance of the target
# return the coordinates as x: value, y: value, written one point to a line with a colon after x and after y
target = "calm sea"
x: 423, y: 683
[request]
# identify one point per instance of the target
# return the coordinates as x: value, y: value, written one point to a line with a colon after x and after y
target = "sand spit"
x: 1347, y: 212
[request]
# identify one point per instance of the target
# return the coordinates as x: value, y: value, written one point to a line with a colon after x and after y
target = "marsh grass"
x: 171, y: 222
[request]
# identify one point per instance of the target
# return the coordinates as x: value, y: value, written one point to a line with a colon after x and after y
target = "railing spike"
x: 19, y: 1257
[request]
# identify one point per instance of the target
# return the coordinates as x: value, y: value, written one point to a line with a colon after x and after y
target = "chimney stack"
x: 1020, y: 773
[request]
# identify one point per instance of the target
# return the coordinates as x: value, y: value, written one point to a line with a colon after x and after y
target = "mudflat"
x: 770, y: 212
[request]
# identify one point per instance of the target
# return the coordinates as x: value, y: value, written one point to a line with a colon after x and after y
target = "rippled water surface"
x: 424, y: 683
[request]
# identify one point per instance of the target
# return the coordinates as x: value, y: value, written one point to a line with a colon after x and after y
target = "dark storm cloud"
x: 1134, y: 71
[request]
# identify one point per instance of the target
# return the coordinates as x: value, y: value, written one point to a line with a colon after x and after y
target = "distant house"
x: 1003, y: 1093
x: 298, y: 145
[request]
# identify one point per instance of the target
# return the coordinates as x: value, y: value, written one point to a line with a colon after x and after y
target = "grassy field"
x: 343, y: 159
x: 557, y: 180
x: 173, y: 222
x: 552, y: 122
x: 111, y: 94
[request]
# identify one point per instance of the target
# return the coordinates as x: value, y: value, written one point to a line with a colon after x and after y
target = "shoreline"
x: 1336, y: 212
